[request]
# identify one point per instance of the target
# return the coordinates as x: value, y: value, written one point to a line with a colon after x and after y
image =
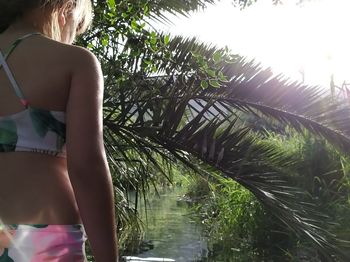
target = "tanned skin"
x: 41, y: 189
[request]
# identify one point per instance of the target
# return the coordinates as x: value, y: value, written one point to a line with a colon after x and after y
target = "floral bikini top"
x: 32, y: 129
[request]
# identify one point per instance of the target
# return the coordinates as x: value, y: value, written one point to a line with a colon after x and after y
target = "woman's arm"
x: 87, y: 165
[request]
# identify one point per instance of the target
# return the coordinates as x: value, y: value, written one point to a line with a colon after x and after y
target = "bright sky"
x: 314, y: 38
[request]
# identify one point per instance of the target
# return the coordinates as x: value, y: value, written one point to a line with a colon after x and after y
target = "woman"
x: 54, y: 176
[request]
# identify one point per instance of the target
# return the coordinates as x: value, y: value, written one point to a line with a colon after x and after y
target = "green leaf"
x: 111, y: 4
x: 153, y: 38
x: 154, y: 69
x: 214, y: 83
x: 134, y: 25
x: 222, y: 77
x: 204, y: 84
x: 105, y: 40
x: 217, y: 57
x: 166, y: 39
x: 211, y: 73
x: 146, y: 9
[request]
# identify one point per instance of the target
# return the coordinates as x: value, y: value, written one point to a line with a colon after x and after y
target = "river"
x: 171, y: 230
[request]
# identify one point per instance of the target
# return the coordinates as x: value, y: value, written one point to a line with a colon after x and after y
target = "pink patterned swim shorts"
x: 39, y: 243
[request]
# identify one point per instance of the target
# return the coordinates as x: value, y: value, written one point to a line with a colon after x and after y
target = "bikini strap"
x: 13, y: 81
x: 8, y: 72
x: 16, y: 43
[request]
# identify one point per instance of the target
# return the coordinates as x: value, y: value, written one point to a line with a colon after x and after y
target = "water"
x: 175, y: 234
x: 171, y: 229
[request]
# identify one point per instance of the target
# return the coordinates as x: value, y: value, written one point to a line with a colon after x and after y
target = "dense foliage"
x: 235, y: 219
x: 175, y: 100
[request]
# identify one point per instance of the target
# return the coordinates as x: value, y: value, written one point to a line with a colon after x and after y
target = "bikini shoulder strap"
x: 8, y: 71
x: 17, y: 42
x: 13, y: 80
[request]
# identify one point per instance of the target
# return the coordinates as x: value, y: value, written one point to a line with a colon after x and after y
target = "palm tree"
x: 176, y: 100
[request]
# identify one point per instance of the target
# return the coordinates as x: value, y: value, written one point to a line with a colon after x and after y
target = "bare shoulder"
x: 83, y: 56
x: 75, y: 56
x: 80, y: 56
x: 85, y: 63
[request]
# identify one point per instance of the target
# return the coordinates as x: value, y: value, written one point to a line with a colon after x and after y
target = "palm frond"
x: 161, y: 9
x: 292, y: 103
x: 252, y: 88
x: 178, y: 116
x: 169, y: 115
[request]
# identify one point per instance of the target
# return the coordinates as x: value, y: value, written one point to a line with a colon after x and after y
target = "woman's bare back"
x: 34, y: 187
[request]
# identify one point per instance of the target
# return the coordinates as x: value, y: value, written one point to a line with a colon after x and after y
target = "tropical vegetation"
x: 176, y: 102
x: 234, y: 218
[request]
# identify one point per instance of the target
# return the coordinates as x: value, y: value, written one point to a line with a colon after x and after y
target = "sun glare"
x: 309, y: 43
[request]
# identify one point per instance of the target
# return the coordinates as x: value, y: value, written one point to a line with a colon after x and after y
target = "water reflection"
x: 172, y: 231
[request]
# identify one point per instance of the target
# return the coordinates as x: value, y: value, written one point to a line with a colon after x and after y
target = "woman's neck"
x: 21, y: 26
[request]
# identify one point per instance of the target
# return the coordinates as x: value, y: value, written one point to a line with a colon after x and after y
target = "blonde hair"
x: 11, y: 10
